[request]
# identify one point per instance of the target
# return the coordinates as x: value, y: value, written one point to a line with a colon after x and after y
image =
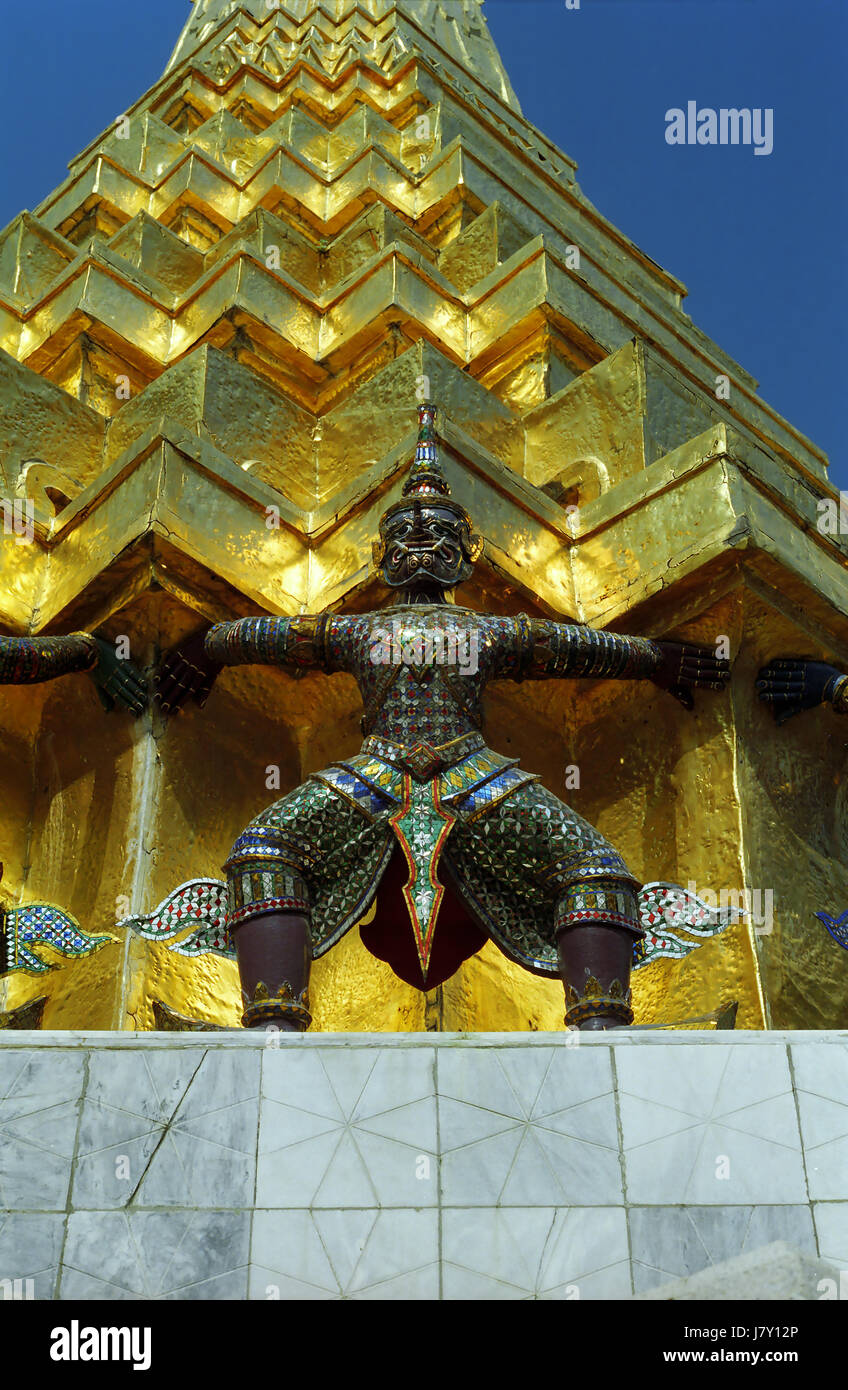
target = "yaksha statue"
x: 457, y: 842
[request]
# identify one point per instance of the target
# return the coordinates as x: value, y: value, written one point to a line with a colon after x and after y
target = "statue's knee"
x: 264, y: 875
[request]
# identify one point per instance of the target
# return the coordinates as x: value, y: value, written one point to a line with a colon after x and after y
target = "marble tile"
x: 612, y: 1283
x: 30, y: 1247
x: 418, y: 1285
x: 821, y: 1070
x: 113, y: 1153
x: 184, y: 1251
x: 142, y: 1082
x: 272, y: 1286
x: 207, y: 1156
x: 821, y: 1079
x: 476, y: 1174
x: 470, y: 1076
x: 349, y: 1179
x: 40, y: 1287
x: 712, y: 1127
x: 36, y: 1150
x: 674, y: 1242
x: 550, y: 1253
x: 75, y: 1286
x: 344, y: 1254
x: 286, y: 1249
x: 824, y: 1130
x: 355, y: 1129
x: 575, y: 1076
x: 832, y: 1225
x: 33, y: 1082
x: 224, y: 1288
x: 354, y: 1085
x: 52, y: 1130
x: 156, y: 1254
x: 528, y: 1129
x: 792, y: 1224
x: 697, y: 1081
x: 132, y: 1095
x: 299, y: 1080
x: 223, y: 1081
x: 395, y: 1082
x: 290, y: 1175
x: 100, y: 1252
x: 39, y: 1094
x: 193, y: 1170
x: 402, y: 1243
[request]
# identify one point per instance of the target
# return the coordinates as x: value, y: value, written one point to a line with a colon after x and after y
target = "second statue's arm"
x: 792, y: 684
x: 297, y: 643
x: 545, y: 648
x: 33, y: 660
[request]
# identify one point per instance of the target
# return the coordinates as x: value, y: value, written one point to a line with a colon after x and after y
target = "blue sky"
x: 756, y: 239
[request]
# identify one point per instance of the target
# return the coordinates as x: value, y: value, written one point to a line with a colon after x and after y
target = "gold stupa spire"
x: 284, y: 32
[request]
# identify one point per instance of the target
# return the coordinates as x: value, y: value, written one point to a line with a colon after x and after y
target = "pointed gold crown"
x: 426, y: 479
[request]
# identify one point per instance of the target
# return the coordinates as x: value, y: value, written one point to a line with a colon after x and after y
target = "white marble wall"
x: 413, y: 1166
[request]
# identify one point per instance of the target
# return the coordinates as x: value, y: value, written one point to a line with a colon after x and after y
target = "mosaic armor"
x: 31, y: 660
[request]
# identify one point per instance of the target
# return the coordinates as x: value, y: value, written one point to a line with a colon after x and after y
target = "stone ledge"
x: 415, y: 1166
x: 622, y: 1037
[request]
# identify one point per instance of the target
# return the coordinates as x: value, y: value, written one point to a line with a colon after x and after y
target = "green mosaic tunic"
x: 523, y: 862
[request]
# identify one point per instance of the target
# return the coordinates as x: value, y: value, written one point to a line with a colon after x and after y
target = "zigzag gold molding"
x: 593, y: 571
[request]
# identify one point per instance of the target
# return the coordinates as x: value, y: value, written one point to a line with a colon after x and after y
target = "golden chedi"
x: 214, y: 336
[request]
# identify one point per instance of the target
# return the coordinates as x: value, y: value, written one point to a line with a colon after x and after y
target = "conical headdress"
x: 426, y: 481
x: 426, y: 478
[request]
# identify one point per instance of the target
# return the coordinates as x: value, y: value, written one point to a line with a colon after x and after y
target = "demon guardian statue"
x: 457, y: 842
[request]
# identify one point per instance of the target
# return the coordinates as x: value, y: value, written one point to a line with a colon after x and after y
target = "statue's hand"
x: 186, y: 673
x: 685, y: 668
x: 792, y: 684
x: 118, y: 681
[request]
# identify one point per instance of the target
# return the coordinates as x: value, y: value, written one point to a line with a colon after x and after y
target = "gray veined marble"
x: 421, y: 1166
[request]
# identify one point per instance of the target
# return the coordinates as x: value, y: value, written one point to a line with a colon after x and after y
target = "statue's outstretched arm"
x: 549, y: 648
x: 297, y: 643
x: 293, y: 642
x: 792, y: 684
x: 32, y: 660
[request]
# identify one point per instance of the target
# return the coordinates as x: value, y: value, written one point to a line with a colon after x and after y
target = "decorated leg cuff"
x: 596, y: 903
x: 283, y: 1007
x: 614, y: 1001
x: 255, y: 889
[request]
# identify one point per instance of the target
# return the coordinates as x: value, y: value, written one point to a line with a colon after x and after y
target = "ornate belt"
x: 422, y: 759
